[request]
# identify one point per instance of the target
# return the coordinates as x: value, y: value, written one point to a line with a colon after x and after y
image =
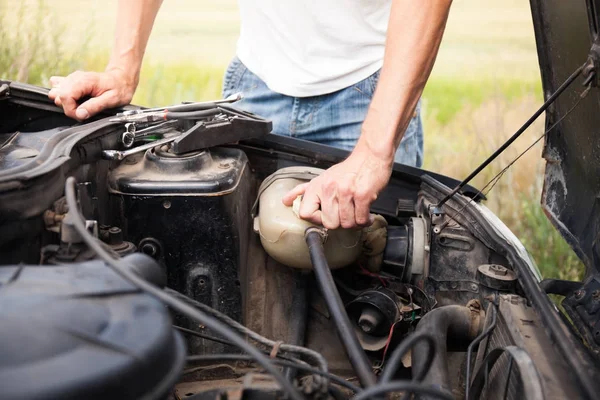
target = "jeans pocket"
x: 373, y: 80
x: 232, y: 77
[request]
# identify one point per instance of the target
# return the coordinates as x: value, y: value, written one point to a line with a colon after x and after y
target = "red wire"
x: 371, y: 274
x: 389, y: 340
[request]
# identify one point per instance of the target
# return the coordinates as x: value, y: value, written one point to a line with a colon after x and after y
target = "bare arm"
x: 342, y: 195
x: 414, y: 36
x: 117, y: 84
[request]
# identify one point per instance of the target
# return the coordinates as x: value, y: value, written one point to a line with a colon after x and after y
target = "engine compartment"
x: 457, y: 275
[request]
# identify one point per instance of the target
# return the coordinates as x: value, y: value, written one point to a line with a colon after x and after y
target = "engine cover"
x: 80, y: 331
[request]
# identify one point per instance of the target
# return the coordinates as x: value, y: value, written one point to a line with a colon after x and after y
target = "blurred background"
x: 485, y: 84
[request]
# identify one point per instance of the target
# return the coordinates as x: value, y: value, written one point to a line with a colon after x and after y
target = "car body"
x: 182, y: 214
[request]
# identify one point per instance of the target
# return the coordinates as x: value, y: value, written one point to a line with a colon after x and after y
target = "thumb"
x: 95, y: 105
x: 290, y: 196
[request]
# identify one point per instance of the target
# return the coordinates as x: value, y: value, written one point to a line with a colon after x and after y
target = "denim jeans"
x: 332, y: 119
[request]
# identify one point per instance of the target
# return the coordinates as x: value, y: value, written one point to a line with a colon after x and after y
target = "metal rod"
x: 514, y: 137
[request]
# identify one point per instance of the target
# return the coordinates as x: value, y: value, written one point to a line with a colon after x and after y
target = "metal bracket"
x: 233, y: 127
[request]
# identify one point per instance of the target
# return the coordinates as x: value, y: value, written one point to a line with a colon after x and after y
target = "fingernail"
x: 82, y: 113
x: 371, y: 219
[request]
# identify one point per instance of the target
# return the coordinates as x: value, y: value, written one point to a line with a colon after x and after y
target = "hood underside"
x: 565, y: 32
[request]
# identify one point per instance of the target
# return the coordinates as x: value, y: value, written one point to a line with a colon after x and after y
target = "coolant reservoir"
x: 282, y: 231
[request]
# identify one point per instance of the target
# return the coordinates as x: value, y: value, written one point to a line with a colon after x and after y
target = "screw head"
x: 579, y: 294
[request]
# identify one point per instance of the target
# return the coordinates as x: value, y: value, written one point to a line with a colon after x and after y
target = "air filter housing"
x: 80, y: 331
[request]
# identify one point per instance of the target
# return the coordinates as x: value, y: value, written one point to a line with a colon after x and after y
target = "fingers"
x: 94, y: 105
x: 55, y: 83
x: 346, y: 211
x: 290, y: 196
x: 362, y: 204
x: 330, y: 211
x: 333, y: 203
x: 310, y: 208
x: 72, y: 89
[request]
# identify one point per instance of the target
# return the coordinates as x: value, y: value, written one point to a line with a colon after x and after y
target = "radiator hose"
x: 358, y: 359
x: 448, y: 322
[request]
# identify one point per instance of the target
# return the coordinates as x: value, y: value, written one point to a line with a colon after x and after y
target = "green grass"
x: 445, y: 97
x: 485, y: 84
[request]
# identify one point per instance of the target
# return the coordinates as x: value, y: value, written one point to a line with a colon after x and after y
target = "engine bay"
x: 441, y: 302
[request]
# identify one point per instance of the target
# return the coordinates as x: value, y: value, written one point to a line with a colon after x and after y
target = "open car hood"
x: 565, y: 33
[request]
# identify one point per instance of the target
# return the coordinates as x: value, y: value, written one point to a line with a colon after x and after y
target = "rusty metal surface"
x: 572, y: 150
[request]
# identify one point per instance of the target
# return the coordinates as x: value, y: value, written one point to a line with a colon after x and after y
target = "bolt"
x: 579, y: 294
x: 167, y: 204
x: 596, y: 295
x: 474, y: 287
x: 224, y: 165
x: 115, y: 235
x: 498, y: 270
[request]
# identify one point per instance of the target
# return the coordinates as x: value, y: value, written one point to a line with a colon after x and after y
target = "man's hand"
x: 106, y: 90
x: 342, y: 195
x: 116, y: 86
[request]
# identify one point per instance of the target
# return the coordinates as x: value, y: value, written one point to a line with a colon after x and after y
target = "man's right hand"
x: 104, y: 90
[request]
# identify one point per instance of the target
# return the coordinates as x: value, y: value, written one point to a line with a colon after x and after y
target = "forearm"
x: 414, y: 34
x: 134, y: 23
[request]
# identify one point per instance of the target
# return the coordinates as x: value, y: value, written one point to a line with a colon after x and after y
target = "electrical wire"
x: 284, y: 363
x: 203, y: 335
x: 492, y: 182
x: 530, y: 378
x: 475, y: 342
x: 315, y: 356
x: 405, y: 386
x: 516, y: 135
x: 193, y: 313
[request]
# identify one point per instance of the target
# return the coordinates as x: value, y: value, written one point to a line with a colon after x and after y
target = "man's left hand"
x: 342, y: 195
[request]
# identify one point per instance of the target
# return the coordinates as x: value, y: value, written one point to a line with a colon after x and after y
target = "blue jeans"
x: 332, y: 119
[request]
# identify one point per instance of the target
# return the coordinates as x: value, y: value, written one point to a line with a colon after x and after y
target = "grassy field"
x: 484, y: 85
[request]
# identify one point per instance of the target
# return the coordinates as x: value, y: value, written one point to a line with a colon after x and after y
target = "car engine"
x: 174, y: 272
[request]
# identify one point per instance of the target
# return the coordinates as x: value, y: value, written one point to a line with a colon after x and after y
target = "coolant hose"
x: 358, y: 359
x: 454, y: 322
x: 298, y: 316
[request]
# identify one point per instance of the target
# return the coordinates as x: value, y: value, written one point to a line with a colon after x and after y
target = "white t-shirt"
x: 306, y: 48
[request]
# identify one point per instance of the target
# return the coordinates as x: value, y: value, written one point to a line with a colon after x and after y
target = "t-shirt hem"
x: 316, y: 89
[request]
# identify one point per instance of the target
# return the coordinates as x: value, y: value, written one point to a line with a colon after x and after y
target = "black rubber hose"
x: 243, y: 357
x: 559, y: 286
x: 298, y: 317
x: 358, y: 359
x: 403, y: 386
x: 456, y: 322
x: 127, y: 273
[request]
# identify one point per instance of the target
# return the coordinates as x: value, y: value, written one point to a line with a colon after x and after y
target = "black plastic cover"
x: 82, y: 332
x: 161, y: 172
